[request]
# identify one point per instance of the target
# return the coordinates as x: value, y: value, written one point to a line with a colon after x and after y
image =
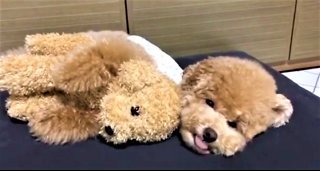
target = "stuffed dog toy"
x: 72, y: 87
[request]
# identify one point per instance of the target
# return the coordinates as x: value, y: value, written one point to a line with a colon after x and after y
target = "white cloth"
x: 165, y: 63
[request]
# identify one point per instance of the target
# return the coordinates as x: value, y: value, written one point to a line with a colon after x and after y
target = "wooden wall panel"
x: 184, y: 27
x: 21, y: 17
x: 306, y: 34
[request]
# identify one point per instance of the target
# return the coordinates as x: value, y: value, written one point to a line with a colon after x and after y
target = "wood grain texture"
x: 21, y: 17
x: 298, y: 64
x: 306, y: 33
x: 261, y: 28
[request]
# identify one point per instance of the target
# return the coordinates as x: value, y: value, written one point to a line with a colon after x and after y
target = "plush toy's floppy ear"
x: 284, y: 109
x: 92, y: 66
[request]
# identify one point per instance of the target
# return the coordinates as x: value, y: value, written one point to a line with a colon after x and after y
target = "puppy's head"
x: 227, y: 102
x: 206, y: 130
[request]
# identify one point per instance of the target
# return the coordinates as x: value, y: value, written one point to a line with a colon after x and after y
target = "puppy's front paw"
x: 284, y: 109
x: 233, y: 146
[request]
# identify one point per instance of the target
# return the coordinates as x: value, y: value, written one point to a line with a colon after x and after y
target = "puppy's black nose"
x: 109, y: 130
x: 209, y: 135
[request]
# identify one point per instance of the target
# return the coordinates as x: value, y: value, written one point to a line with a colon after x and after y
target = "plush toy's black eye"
x: 232, y: 124
x: 135, y: 110
x: 210, y: 103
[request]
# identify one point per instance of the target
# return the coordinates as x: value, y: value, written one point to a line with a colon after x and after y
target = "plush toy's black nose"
x: 109, y: 130
x: 135, y: 110
x: 209, y: 135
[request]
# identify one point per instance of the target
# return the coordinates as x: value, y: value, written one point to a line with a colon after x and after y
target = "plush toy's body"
x: 71, y: 87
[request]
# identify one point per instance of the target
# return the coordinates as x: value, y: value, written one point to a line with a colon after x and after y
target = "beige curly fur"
x: 157, y: 97
x: 62, y: 43
x: 85, y: 67
x: 93, y: 65
x: 54, y: 43
x: 69, y: 96
x: 242, y: 92
x: 25, y: 74
x: 13, y: 51
x: 53, y: 119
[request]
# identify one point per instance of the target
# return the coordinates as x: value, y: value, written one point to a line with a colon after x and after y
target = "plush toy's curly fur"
x: 155, y: 95
x: 92, y: 65
x: 53, y: 119
x: 71, y: 86
x: 26, y: 74
x: 54, y: 43
x: 227, y: 101
x: 87, y: 66
x: 61, y: 44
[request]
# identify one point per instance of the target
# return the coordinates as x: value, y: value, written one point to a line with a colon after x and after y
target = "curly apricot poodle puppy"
x: 227, y: 101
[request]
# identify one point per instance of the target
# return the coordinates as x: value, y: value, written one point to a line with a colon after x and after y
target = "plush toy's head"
x: 228, y: 101
x: 142, y: 105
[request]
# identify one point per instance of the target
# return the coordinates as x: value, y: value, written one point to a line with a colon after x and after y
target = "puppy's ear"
x: 283, y: 109
x: 202, y: 83
x: 187, y: 69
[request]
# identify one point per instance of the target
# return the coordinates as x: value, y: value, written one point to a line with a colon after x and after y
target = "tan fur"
x: 71, y: 96
x: 62, y: 43
x: 53, y: 120
x: 25, y: 74
x: 87, y: 65
x: 156, y: 95
x: 242, y: 91
x: 13, y: 51
x: 93, y: 65
x: 55, y: 43
x: 85, y: 60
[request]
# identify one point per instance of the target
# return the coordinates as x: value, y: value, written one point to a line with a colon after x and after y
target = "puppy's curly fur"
x: 227, y: 101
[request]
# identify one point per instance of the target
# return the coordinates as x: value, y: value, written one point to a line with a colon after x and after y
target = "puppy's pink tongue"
x: 199, y: 143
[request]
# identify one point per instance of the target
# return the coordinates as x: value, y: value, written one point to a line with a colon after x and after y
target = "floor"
x: 309, y: 79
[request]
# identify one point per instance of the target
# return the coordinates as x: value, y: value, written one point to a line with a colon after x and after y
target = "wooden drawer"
x: 18, y: 17
x: 185, y: 27
x: 306, y: 33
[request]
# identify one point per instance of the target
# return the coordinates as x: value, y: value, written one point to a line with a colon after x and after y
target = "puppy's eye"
x: 210, y: 103
x: 135, y: 110
x: 232, y: 124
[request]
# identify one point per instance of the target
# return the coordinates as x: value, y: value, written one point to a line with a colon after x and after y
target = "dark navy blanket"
x: 294, y: 146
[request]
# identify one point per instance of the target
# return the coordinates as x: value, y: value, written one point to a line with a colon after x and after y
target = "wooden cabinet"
x: 184, y: 27
x: 21, y: 17
x: 306, y: 32
x: 274, y: 31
